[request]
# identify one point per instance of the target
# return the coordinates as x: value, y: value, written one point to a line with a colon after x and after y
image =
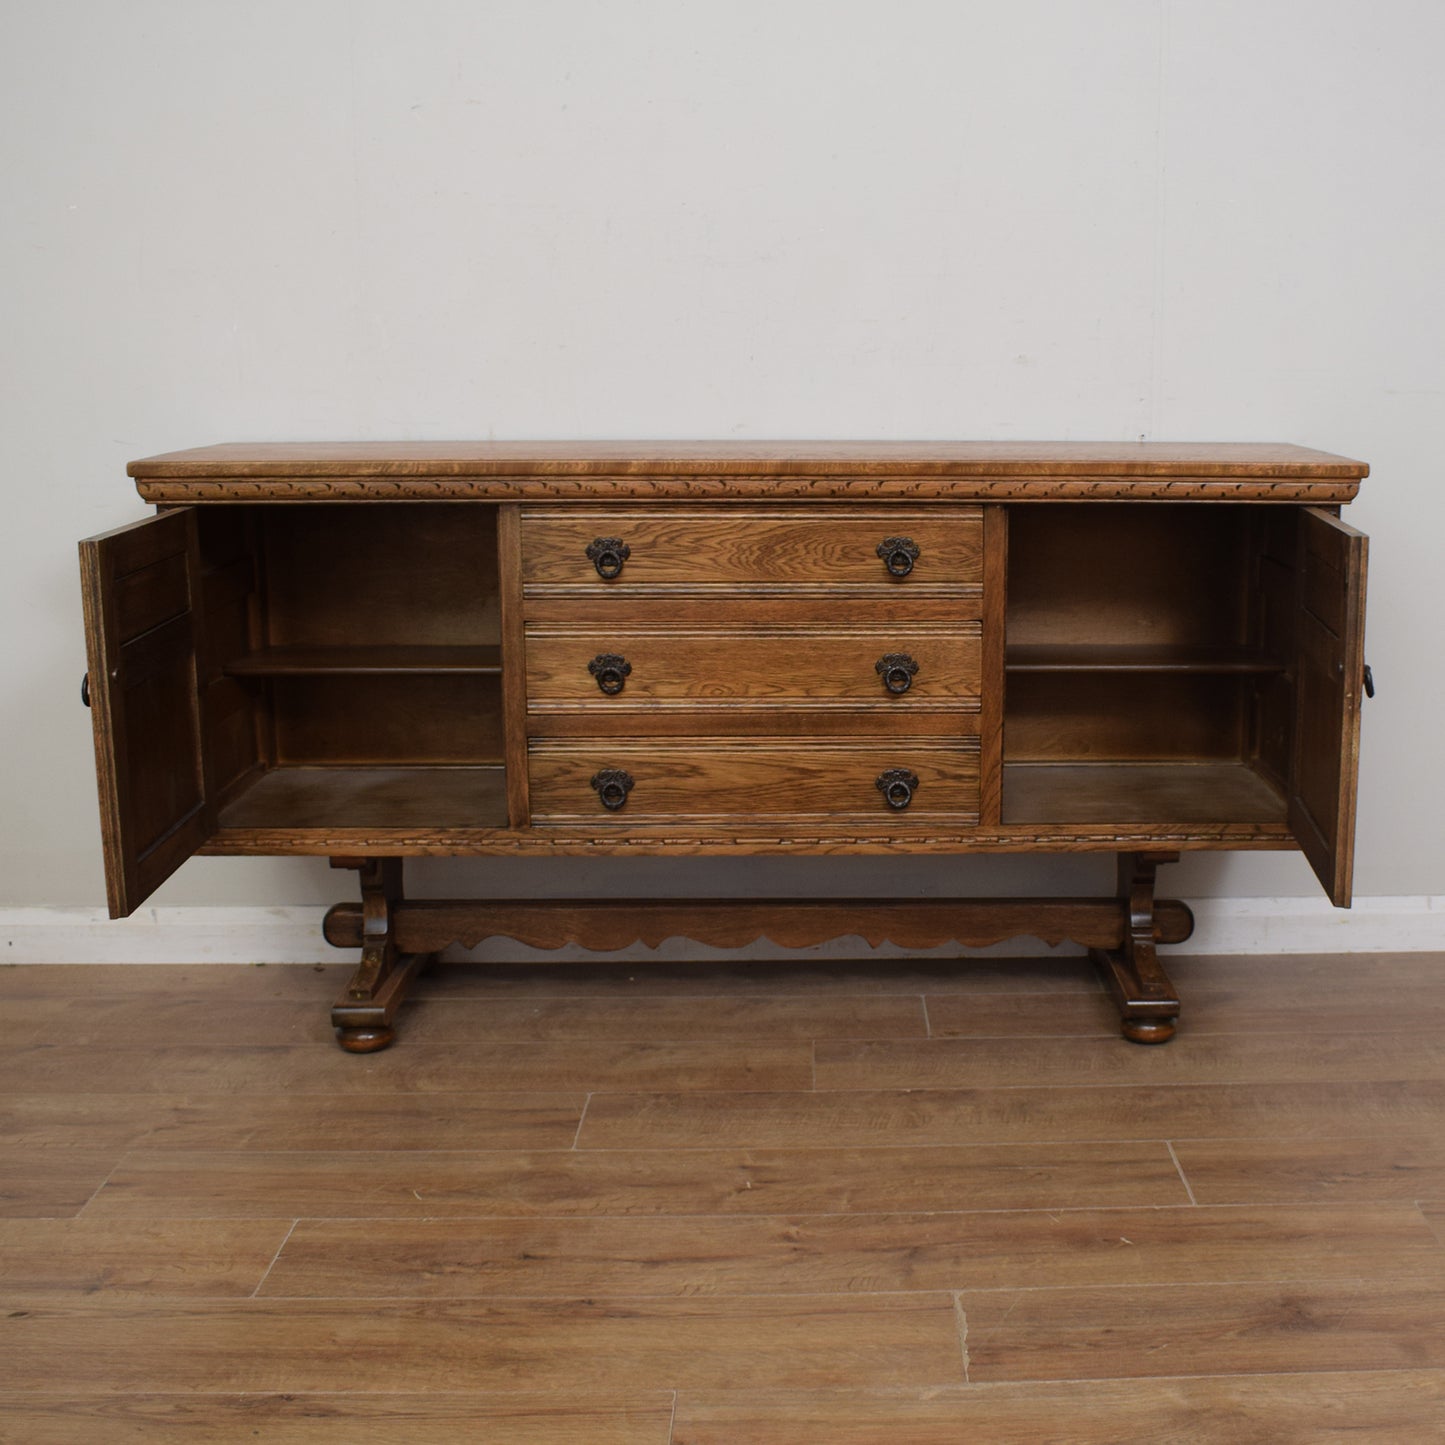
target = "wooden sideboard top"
x: 543, y: 470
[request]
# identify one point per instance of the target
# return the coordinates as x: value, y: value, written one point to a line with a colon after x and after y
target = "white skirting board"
x: 293, y: 935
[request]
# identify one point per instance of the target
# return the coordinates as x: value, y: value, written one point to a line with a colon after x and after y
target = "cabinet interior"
x: 351, y: 665
x: 1147, y: 663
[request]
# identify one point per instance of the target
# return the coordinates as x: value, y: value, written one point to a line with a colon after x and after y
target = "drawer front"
x: 622, y: 668
x: 640, y: 549
x: 632, y: 781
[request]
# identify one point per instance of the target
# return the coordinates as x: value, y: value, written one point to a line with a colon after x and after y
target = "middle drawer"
x: 631, y: 669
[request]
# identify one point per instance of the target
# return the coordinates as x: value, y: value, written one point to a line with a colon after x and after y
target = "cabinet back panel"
x: 1120, y: 716
x: 380, y: 574
x: 1158, y: 574
x: 387, y: 719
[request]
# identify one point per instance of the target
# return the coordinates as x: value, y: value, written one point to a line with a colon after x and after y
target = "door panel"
x: 140, y: 625
x: 1329, y: 670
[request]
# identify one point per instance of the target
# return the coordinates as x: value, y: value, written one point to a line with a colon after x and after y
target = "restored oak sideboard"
x: 373, y: 651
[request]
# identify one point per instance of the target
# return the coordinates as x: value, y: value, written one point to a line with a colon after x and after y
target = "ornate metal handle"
x: 898, y: 554
x: 897, y: 670
x: 898, y: 786
x: 612, y: 785
x: 85, y: 689
x: 611, y: 671
x: 607, y: 554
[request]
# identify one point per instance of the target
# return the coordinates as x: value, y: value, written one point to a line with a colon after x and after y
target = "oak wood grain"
x: 643, y: 1417
x: 644, y: 458
x: 442, y: 1068
x: 208, y: 1258
x: 688, y: 780
x: 52, y: 1183
x: 1113, y: 1333
x: 1205, y: 1059
x: 780, y: 550
x: 821, y: 1254
x: 199, y: 1182
x: 1290, y: 1409
x: 74, y: 1120
x: 866, y: 1118
x: 1362, y: 1167
x: 110, y: 1344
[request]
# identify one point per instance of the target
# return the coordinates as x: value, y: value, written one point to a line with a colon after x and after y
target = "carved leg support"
x: 1148, y: 1002
x: 363, y: 1015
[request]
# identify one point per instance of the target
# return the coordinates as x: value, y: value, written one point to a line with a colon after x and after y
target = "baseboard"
x: 293, y: 935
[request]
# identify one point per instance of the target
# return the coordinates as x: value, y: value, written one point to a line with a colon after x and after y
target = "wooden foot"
x: 1148, y: 1002
x: 364, y: 1040
x: 363, y: 1015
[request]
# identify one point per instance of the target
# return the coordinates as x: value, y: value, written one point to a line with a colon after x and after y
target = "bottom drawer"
x: 655, y: 780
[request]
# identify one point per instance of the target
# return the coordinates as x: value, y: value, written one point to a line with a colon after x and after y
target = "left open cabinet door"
x: 140, y: 591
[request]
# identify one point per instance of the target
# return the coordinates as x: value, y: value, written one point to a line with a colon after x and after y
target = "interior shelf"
x: 312, y: 661
x: 372, y: 797
x: 1110, y: 793
x: 1101, y: 657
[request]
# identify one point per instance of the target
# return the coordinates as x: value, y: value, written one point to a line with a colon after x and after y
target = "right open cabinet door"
x: 1329, y: 638
x: 143, y: 686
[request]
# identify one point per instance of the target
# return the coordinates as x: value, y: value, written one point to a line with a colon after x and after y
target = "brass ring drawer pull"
x: 898, y: 554
x: 607, y: 554
x: 611, y: 670
x: 612, y: 785
x: 897, y: 669
x: 898, y: 786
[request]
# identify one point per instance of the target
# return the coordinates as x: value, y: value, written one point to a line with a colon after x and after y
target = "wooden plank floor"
x: 718, y: 1204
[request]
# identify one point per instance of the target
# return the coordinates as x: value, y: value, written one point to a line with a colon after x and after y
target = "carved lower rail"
x: 400, y: 936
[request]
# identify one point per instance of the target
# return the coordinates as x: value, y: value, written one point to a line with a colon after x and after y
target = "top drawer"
x: 758, y: 550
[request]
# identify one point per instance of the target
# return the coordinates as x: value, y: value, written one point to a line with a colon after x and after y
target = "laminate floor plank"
x: 867, y: 1118
x: 822, y: 1254
x: 587, y: 1418
x: 394, y: 1184
x: 204, y: 984
x: 51, y: 1183
x: 1394, y: 1407
x: 109, y: 1345
x: 434, y: 1068
x: 1324, y: 1170
x: 1302, y: 973
x: 291, y: 1121
x: 1273, y: 1008
x: 1066, y: 1062
x: 1225, y: 1329
x: 142, y: 1023
x: 203, y: 1257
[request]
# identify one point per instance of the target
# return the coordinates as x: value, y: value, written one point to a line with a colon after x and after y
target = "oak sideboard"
x: 374, y: 651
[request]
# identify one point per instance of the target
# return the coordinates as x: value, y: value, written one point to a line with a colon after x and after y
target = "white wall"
x: 1177, y: 219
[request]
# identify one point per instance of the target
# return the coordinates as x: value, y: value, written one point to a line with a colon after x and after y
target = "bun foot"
x: 365, y: 1040
x: 1149, y: 1031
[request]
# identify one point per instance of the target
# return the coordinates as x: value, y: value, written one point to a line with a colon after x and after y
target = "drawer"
x: 760, y: 549
x: 625, y: 667
x: 886, y: 782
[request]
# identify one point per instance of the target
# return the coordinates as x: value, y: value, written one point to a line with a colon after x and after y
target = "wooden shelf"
x: 1102, y: 657
x: 413, y: 661
x: 301, y: 797
x: 1123, y: 793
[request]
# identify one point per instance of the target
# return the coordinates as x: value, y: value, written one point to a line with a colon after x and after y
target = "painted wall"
x: 448, y: 218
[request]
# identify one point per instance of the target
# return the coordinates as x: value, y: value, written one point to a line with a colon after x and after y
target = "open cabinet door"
x: 139, y: 585
x: 1329, y: 677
